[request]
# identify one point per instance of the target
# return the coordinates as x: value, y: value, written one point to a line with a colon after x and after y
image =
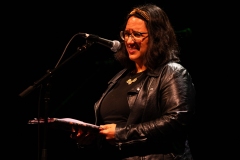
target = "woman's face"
x: 136, y: 39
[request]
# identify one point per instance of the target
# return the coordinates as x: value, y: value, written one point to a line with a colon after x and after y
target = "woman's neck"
x: 140, y: 68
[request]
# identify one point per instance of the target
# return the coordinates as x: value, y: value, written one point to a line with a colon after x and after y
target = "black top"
x: 114, y: 107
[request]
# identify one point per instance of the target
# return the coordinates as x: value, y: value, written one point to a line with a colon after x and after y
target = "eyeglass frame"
x: 132, y: 36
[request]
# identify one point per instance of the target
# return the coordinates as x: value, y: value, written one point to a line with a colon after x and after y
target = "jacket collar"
x: 154, y: 73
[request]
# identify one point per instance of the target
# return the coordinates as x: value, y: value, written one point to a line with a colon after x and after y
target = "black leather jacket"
x: 162, y: 106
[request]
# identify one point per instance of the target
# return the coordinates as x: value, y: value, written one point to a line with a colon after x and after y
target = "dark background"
x: 36, y: 36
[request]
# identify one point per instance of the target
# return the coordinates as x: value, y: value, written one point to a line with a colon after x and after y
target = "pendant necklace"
x: 130, y: 81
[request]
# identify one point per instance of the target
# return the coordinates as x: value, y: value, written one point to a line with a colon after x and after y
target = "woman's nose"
x: 130, y: 39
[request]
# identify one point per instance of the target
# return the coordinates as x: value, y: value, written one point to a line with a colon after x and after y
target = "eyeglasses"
x: 136, y: 36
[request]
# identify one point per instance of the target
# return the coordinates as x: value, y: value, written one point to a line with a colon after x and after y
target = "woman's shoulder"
x: 174, y: 69
x: 169, y: 67
x: 175, y: 66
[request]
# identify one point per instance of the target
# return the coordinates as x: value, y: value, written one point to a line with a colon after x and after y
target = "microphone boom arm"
x: 51, y: 72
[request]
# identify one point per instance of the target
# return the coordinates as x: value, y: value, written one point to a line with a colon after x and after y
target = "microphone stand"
x: 47, y: 93
x: 46, y: 104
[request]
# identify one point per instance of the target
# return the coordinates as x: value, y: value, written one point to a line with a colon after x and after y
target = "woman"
x: 146, y: 111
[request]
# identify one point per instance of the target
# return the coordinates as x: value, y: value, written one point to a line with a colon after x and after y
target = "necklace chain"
x: 130, y: 81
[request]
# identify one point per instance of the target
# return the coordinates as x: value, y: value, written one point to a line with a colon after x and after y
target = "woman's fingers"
x: 73, y: 129
x: 76, y: 132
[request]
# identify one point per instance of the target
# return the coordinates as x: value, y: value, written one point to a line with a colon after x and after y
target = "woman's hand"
x: 108, y: 131
x: 82, y: 137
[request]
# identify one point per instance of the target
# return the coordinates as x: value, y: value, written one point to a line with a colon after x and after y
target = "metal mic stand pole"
x: 46, y: 104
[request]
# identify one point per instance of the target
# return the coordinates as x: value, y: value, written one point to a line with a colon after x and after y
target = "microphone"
x: 113, y: 45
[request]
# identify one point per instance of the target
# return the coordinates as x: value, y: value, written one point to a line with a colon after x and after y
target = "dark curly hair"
x: 162, y: 44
